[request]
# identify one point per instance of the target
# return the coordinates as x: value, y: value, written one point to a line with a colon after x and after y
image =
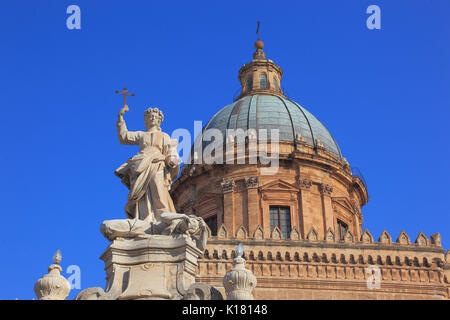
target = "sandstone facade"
x: 322, y: 252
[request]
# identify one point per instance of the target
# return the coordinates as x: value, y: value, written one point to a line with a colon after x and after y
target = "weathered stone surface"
x: 53, y: 286
x: 156, y: 267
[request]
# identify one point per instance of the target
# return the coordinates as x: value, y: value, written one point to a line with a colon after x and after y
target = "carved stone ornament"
x: 325, y: 189
x: 259, y: 233
x: 239, y: 282
x: 319, y: 143
x: 312, y: 235
x: 304, y: 184
x: 403, y: 238
x: 295, y: 235
x: 385, y: 238
x: 241, y: 233
x: 227, y: 186
x: 436, y: 239
x: 154, y: 268
x: 348, y: 236
x: 223, y: 232
x: 299, y: 138
x: 252, y: 182
x: 329, y: 236
x: 53, y: 286
x: 276, y: 234
x: 422, y: 239
x: 366, y: 237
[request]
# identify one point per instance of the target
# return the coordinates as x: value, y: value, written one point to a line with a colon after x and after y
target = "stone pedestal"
x: 155, y: 267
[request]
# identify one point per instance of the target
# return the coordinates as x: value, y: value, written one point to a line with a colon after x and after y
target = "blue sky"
x: 383, y: 94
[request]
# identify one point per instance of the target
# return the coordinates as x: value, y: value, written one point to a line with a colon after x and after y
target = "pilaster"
x: 228, y: 206
x: 252, y: 184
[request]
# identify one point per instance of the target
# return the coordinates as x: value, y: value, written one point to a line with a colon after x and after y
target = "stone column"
x: 253, y: 204
x: 228, y: 207
x: 327, y: 208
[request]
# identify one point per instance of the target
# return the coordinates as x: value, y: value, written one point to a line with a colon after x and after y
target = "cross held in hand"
x: 125, y: 94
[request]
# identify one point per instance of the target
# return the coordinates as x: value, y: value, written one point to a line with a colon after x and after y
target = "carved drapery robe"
x: 147, y: 174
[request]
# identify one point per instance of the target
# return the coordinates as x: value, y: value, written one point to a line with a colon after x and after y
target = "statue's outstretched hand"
x: 123, y: 110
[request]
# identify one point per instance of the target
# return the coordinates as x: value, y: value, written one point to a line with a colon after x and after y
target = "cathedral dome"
x: 265, y: 111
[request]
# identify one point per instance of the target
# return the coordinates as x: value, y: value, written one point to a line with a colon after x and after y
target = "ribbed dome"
x: 273, y: 112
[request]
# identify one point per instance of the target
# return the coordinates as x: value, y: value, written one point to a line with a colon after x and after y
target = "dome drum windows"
x: 275, y: 84
x: 250, y: 83
x: 263, y: 81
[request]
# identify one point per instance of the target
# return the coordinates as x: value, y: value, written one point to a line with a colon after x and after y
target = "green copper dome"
x: 273, y: 112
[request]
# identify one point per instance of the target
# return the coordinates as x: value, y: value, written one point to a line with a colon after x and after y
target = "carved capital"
x: 325, y: 189
x: 227, y: 186
x: 252, y: 182
x: 304, y: 184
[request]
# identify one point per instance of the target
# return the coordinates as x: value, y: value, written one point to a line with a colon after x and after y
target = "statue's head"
x: 153, y: 117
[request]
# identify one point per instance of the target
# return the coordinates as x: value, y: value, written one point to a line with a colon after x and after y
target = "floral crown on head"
x: 158, y: 112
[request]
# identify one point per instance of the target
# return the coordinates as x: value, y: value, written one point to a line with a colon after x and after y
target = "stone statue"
x: 148, y: 175
x: 154, y: 252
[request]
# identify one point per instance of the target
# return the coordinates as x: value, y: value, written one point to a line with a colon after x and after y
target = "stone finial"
x: 299, y: 137
x: 436, y: 239
x: 403, y: 238
x: 366, y: 237
x: 329, y: 236
x: 312, y: 235
x: 385, y: 238
x: 53, y: 286
x: 239, y: 282
x: 319, y: 143
x: 422, y: 239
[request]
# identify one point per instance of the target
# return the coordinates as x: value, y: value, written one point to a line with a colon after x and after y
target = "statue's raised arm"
x: 148, y: 175
x: 125, y: 136
x: 122, y: 112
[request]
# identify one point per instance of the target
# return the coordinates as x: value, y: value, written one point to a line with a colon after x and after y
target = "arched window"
x: 275, y: 86
x: 250, y: 83
x: 263, y: 81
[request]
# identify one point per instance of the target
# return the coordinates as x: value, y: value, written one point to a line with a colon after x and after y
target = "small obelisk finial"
x: 239, y: 250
